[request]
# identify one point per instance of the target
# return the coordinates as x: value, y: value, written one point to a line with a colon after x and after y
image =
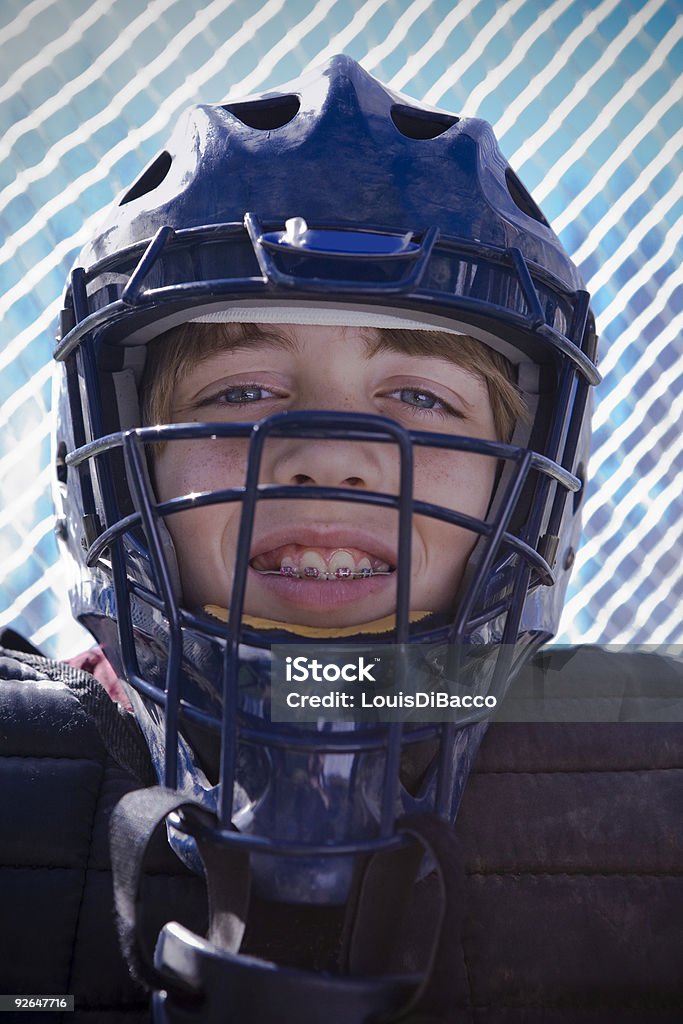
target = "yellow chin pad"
x: 383, y: 625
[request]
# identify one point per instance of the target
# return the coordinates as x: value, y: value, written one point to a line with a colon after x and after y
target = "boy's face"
x: 331, y: 368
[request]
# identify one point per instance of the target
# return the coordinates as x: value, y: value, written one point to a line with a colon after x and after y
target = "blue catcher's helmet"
x: 331, y: 193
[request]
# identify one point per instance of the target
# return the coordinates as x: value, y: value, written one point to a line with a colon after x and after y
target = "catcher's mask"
x: 331, y: 201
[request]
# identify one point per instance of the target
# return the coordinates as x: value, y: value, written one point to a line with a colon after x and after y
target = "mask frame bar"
x: 351, y: 427
x: 136, y: 297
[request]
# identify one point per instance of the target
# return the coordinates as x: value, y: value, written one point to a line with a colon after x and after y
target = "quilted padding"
x: 57, y: 789
x: 573, y: 860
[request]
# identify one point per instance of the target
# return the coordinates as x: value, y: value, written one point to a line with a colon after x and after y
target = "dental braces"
x: 310, y: 572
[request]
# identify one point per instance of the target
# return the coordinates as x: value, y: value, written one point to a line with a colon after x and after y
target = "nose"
x: 335, y: 463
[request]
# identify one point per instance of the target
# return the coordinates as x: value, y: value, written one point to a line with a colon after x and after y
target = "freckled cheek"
x: 459, y: 482
x: 456, y: 481
x: 185, y: 467
x: 199, y: 534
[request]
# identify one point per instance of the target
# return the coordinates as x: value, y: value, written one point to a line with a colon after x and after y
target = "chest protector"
x: 568, y: 873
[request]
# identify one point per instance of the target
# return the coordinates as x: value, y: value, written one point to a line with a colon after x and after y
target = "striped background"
x: 586, y: 98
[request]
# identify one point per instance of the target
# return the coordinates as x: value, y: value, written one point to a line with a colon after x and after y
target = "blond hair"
x: 173, y: 354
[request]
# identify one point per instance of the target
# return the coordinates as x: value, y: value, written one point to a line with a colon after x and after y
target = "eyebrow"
x: 245, y: 336
x: 430, y: 346
x: 277, y: 336
x: 375, y: 341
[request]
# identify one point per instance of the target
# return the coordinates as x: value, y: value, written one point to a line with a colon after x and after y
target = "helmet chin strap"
x: 375, y: 627
x: 400, y: 953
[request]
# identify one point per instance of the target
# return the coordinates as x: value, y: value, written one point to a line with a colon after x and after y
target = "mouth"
x: 321, y: 564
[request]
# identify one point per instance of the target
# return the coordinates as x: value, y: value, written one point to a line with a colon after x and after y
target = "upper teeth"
x: 340, y: 565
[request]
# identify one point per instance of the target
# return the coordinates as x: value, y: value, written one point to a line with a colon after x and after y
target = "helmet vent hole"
x: 150, y: 178
x: 266, y: 114
x: 421, y: 124
x: 522, y: 199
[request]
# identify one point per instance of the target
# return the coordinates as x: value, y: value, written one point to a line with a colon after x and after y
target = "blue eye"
x: 419, y: 399
x: 242, y: 394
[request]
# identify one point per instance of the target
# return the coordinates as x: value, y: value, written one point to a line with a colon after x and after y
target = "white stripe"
x: 638, y: 326
x: 137, y: 86
x: 649, y: 610
x: 624, y: 598
x: 601, y: 123
x: 633, y: 539
x: 26, y: 549
x: 248, y: 30
x: 558, y: 59
x: 93, y: 73
x: 590, y: 554
x: 666, y: 251
x: 13, y: 349
x: 19, y: 454
x: 496, y: 76
x: 73, y: 33
x: 604, y: 495
x: 52, y: 628
x: 14, y: 509
x: 648, y: 559
x: 643, y: 128
x: 638, y: 188
x: 40, y: 270
x: 23, y: 20
x: 668, y: 630
x: 399, y: 31
x: 645, y: 442
x: 50, y: 579
x: 341, y: 40
x: 474, y: 51
x: 318, y: 314
x: 625, y: 384
x: 125, y: 146
x: 75, y: 139
x: 438, y: 41
x: 29, y: 391
x: 290, y: 41
x: 649, y: 570
x: 591, y: 551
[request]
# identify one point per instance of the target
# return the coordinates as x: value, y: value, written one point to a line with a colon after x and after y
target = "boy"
x: 341, y: 397
x: 232, y: 372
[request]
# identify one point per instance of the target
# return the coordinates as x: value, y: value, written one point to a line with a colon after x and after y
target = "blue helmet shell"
x: 371, y: 157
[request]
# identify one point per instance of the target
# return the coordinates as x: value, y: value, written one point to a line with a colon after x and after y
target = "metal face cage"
x: 197, y: 678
